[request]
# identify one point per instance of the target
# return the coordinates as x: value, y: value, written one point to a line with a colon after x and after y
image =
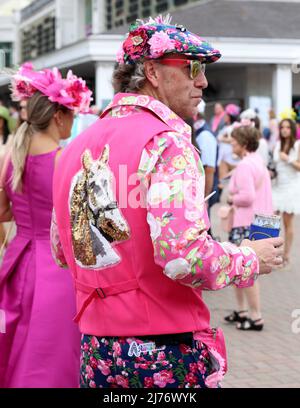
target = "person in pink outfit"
x: 250, y: 193
x: 218, y: 120
x: 131, y: 222
x: 39, y: 342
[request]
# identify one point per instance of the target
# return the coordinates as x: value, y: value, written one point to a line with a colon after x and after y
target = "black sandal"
x: 235, y: 317
x: 249, y: 324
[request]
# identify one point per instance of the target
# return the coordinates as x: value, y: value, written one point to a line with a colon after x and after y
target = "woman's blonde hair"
x: 40, y: 111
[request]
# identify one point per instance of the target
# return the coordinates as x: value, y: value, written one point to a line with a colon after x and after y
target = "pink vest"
x: 132, y: 297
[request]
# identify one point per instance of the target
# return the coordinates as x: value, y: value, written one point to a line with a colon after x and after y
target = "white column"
x: 282, y: 87
x: 79, y: 19
x: 58, y: 25
x: 98, y: 16
x: 103, y: 85
x: 66, y: 28
x: 17, y: 50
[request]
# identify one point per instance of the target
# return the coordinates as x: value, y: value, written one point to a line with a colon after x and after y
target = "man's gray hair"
x: 129, y: 77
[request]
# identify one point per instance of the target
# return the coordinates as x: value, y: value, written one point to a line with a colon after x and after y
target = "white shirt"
x: 207, y: 145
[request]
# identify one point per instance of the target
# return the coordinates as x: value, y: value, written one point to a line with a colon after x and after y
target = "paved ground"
x: 270, y: 358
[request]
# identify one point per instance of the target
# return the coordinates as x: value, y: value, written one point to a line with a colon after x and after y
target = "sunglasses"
x: 195, y: 65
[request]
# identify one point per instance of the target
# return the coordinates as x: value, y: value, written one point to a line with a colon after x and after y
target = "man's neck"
x: 154, y: 93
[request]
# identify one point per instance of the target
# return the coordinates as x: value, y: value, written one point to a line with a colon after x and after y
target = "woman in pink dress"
x: 250, y: 193
x: 39, y: 342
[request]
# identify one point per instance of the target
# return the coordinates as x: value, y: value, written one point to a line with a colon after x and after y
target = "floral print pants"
x: 118, y: 362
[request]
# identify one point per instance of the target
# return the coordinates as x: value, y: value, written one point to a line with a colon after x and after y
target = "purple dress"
x: 41, y: 343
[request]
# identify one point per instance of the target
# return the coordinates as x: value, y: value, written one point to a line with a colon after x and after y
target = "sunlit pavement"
x: 270, y: 358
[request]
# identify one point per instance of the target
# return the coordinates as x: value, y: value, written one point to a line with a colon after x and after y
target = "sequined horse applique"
x: 97, y: 222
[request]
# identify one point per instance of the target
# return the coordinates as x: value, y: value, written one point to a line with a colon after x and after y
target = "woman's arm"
x: 296, y: 163
x: 5, y: 210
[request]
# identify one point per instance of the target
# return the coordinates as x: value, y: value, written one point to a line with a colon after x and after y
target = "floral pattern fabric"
x: 172, y: 174
x: 105, y: 363
x: 156, y: 37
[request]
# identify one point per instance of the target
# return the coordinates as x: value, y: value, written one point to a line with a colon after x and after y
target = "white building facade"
x: 255, y: 70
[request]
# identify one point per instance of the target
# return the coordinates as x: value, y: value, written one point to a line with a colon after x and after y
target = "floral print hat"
x: 156, y: 37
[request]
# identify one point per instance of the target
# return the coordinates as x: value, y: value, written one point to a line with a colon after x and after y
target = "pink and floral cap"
x: 70, y: 92
x: 156, y: 37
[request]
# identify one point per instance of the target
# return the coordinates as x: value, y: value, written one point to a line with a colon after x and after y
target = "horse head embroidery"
x: 96, y: 220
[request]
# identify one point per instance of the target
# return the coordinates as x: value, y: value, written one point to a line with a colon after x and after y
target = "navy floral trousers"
x: 133, y: 363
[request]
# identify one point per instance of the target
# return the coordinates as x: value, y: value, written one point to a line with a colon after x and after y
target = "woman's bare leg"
x: 253, y: 299
x: 289, y: 234
x: 241, y: 299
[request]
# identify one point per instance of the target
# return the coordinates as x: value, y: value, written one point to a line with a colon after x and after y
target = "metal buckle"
x: 100, y: 293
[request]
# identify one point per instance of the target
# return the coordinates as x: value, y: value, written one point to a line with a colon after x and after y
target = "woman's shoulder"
x: 41, y: 154
x: 297, y: 144
x: 244, y: 164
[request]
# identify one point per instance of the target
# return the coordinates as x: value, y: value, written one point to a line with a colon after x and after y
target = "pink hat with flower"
x: 70, y: 92
x: 156, y: 37
x: 232, y: 109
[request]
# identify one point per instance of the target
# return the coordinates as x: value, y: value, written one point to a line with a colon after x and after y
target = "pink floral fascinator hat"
x: 156, y: 37
x: 70, y: 92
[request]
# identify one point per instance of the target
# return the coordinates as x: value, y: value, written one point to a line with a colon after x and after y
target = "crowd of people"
x: 260, y: 166
x: 137, y: 257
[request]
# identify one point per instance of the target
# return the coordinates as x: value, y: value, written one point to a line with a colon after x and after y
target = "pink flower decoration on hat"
x: 159, y: 43
x: 21, y: 87
x: 70, y: 92
x: 120, y: 55
x: 232, y: 109
x: 136, y: 43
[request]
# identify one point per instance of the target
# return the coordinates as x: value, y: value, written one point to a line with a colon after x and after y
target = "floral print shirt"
x: 172, y: 174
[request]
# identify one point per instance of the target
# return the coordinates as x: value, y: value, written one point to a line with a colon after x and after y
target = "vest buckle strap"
x: 100, y: 293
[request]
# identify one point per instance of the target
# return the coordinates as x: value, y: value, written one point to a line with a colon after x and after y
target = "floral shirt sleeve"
x: 56, y: 247
x: 173, y: 176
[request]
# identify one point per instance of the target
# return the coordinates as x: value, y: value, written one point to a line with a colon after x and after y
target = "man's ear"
x: 151, y: 70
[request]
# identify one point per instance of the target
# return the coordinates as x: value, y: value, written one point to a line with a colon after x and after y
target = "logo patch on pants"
x: 143, y: 348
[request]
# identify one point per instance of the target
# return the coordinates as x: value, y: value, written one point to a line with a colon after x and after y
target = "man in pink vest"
x: 132, y: 224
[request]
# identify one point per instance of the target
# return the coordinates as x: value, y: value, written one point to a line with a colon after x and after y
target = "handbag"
x: 226, y: 213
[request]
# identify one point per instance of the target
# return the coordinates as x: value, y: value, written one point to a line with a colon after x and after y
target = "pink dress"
x: 250, y: 186
x: 41, y: 343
